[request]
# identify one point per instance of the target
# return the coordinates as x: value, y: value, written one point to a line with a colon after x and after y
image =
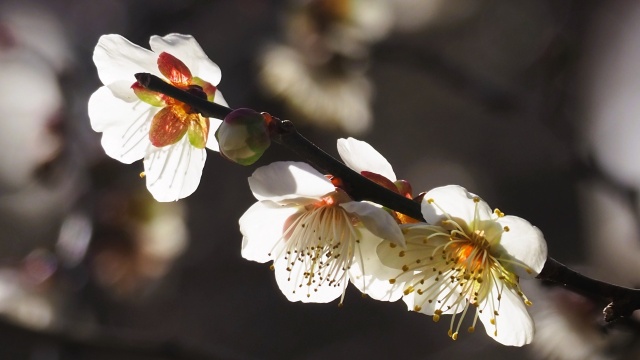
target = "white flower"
x: 317, y: 237
x: 137, y: 123
x: 320, y: 96
x: 469, y: 259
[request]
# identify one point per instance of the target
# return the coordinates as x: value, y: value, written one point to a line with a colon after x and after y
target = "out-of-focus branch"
x: 622, y: 301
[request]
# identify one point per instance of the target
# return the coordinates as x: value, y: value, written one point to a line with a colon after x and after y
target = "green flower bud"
x: 243, y: 136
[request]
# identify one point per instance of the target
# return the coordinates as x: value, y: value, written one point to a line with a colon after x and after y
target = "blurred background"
x: 531, y: 104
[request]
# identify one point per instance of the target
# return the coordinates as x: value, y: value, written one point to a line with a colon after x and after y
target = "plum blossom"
x: 469, y: 259
x: 318, y: 238
x: 140, y: 124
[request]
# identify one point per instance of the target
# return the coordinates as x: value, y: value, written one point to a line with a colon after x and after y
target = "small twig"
x: 622, y: 301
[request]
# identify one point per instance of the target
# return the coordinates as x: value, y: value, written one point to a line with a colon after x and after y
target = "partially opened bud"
x: 243, y: 136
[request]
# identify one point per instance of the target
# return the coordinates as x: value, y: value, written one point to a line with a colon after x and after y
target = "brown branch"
x: 622, y: 301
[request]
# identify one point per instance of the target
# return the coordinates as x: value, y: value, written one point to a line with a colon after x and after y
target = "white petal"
x: 212, y: 143
x: 368, y: 273
x: 262, y: 226
x: 376, y: 220
x: 416, y: 250
x: 360, y: 156
x: 125, y: 126
x: 122, y: 90
x: 455, y: 201
x: 117, y: 58
x: 289, y: 283
x: 514, y: 325
x: 173, y: 172
x: 187, y: 50
x: 438, y: 292
x: 219, y: 98
x: 523, y: 242
x: 288, y: 180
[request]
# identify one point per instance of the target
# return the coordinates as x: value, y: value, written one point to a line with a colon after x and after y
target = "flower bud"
x: 243, y: 136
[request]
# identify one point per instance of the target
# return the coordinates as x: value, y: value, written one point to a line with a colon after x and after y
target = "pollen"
x: 436, y: 315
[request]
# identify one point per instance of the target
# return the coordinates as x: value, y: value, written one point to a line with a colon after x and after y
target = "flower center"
x: 176, y: 118
x: 319, y: 246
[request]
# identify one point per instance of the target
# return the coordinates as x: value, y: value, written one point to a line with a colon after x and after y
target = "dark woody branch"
x: 622, y: 301
x: 285, y: 134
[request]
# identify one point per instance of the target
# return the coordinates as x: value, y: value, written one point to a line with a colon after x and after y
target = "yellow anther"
x: 401, y: 253
x: 476, y: 199
x: 271, y: 267
x: 471, y: 329
x: 436, y: 315
x: 142, y: 175
x: 409, y: 290
x: 430, y: 201
x: 392, y: 281
x: 417, y: 308
x: 405, y: 268
x: 528, y: 303
x: 492, y: 321
x: 506, y: 229
x: 455, y: 336
x: 392, y: 245
x: 498, y: 212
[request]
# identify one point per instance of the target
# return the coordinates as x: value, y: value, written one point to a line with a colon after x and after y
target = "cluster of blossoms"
x: 463, y: 258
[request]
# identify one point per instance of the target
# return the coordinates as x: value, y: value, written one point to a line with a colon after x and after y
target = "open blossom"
x: 316, y: 236
x: 468, y: 261
x: 140, y: 124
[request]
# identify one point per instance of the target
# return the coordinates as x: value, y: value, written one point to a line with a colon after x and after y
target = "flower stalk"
x: 622, y: 301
